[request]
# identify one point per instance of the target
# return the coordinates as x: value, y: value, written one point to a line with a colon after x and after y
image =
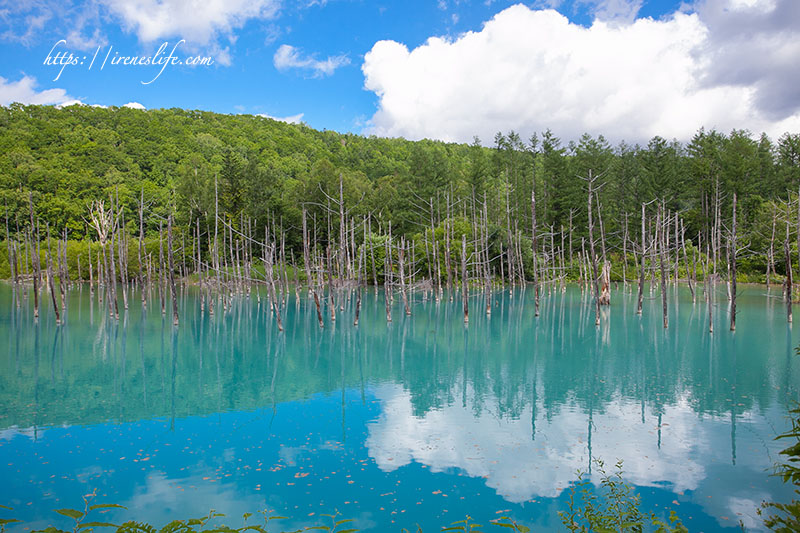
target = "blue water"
x: 421, y: 421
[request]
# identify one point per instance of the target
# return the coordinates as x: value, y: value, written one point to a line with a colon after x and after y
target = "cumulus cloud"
x: 531, y: 69
x: 135, y: 105
x: 293, y: 119
x: 24, y: 91
x: 288, y: 57
x: 197, y: 23
x: 754, y: 44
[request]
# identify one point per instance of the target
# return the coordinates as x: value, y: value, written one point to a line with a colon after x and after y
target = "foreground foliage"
x: 613, y: 508
x: 785, y: 517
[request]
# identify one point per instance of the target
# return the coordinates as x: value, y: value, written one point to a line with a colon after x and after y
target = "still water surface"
x: 421, y: 421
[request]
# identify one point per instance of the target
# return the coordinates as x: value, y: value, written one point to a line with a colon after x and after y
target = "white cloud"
x: 293, y: 119
x: 754, y: 44
x: 32, y: 432
x: 615, y: 10
x: 288, y: 56
x: 528, y: 70
x: 198, y: 23
x: 23, y: 21
x: 69, y: 103
x: 24, y: 91
x: 205, y: 26
x: 32, y: 21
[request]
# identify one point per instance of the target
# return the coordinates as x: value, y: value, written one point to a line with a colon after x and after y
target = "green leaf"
x: 6, y: 507
x: 321, y: 528
x: 254, y: 527
x: 4, y: 521
x: 97, y: 524
x: 342, y: 521
x: 348, y: 531
x: 49, y: 529
x: 106, y: 506
x: 72, y: 513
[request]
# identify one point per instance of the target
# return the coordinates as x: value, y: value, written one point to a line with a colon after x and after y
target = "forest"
x: 209, y: 175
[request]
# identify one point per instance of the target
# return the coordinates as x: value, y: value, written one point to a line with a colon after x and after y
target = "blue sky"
x: 308, y: 60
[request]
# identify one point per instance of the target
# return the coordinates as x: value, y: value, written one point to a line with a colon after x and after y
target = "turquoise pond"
x: 421, y: 421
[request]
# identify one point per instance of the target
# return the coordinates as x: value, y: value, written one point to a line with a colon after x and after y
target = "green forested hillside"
x: 266, y: 170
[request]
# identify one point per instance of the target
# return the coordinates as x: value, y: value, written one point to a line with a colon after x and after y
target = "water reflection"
x: 512, y: 403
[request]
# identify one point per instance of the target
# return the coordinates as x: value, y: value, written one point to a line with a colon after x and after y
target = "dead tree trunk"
x: 161, y: 282
x: 112, y: 278
x: 625, y: 253
x: 788, y: 256
x: 268, y: 268
x: 50, y: 279
x: 771, y: 253
x: 605, y: 284
x: 372, y: 255
x: 733, y: 267
x: 686, y: 261
x: 487, y: 262
x: 642, y: 254
x: 447, y: 248
x: 121, y: 252
x: 171, y: 268
x: 797, y: 228
x: 10, y: 252
x: 91, y: 269
x: 595, y: 286
x: 331, y: 302
x: 661, y: 238
x: 709, y: 291
x: 435, y: 248
x: 142, y: 277
x: 387, y: 269
x: 401, y: 260
x: 464, y: 290
x: 361, y: 255
x: 306, y: 254
x: 533, y: 249
x: 35, y: 257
